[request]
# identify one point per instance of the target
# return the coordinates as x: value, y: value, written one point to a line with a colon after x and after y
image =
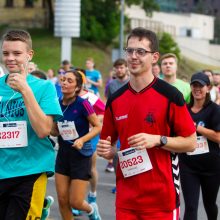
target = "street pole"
x: 67, y: 24
x: 121, y: 42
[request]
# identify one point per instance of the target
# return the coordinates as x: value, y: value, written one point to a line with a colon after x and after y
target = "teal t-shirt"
x: 184, y: 88
x: 38, y: 156
x: 93, y: 75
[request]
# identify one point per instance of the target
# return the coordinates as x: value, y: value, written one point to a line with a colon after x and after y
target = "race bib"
x: 68, y: 130
x: 202, y: 146
x: 133, y: 162
x: 13, y: 134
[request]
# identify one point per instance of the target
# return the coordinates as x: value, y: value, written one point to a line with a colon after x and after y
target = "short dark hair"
x: 145, y: 33
x: 18, y: 35
x: 120, y: 62
x: 169, y: 55
x: 38, y: 73
x: 156, y: 64
x: 65, y: 62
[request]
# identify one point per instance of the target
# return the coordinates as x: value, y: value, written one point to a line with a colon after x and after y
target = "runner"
x: 28, y: 108
x: 201, y: 168
x: 144, y: 114
x: 99, y: 108
x: 73, y: 164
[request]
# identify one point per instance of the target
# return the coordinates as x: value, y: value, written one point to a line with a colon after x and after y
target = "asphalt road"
x: 105, y: 198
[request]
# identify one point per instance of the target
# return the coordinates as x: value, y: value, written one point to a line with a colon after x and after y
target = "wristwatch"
x: 163, y: 141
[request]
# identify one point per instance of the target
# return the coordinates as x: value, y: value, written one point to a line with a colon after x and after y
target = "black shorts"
x: 22, y: 197
x: 70, y: 162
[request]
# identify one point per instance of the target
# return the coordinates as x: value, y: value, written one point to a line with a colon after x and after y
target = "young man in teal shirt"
x: 28, y: 107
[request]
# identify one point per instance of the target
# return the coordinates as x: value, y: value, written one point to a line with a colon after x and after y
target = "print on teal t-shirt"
x: 38, y: 156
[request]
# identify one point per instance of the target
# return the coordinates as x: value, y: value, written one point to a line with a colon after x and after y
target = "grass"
x: 48, y: 55
x: 48, y: 52
x: 187, y: 67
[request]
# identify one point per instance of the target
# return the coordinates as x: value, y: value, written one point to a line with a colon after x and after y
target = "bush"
x: 168, y: 45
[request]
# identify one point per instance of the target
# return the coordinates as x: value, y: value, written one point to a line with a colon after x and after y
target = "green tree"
x: 168, y: 45
x: 100, y: 19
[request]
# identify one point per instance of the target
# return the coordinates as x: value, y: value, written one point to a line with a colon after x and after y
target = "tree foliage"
x: 100, y: 19
x: 168, y: 45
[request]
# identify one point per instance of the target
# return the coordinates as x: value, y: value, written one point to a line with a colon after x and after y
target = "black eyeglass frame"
x: 136, y: 51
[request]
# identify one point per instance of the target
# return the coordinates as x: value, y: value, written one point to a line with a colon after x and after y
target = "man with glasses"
x: 145, y: 114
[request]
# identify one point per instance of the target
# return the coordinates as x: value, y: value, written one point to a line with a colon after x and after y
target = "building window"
x: 29, y: 3
x: 188, y: 33
x: 9, y: 3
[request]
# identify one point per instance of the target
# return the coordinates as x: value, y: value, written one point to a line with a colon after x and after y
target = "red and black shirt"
x: 157, y: 109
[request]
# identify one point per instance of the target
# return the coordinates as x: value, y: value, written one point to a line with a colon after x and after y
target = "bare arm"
x: 54, y: 131
x: 174, y: 144
x: 105, y: 149
x: 97, y: 84
x: 96, y: 128
x: 210, y: 134
x: 40, y: 122
x: 217, y: 101
x: 100, y: 117
x: 181, y: 144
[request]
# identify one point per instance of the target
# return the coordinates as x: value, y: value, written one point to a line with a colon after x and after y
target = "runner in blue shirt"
x: 73, y: 164
x: 93, y: 77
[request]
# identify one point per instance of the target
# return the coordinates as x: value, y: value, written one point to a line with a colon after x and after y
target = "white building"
x: 191, y: 31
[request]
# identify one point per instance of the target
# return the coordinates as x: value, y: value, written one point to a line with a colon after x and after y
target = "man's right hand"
x: 105, y: 148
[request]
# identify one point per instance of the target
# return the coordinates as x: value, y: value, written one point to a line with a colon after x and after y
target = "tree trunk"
x: 50, y: 9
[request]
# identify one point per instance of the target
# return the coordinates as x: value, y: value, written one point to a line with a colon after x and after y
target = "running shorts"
x: 22, y: 198
x: 70, y: 162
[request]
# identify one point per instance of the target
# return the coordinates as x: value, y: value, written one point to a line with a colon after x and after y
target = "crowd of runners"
x: 157, y: 132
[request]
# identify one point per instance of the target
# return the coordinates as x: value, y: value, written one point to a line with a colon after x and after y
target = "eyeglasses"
x: 140, y: 52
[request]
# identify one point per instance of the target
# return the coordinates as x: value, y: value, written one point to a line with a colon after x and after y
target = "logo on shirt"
x: 150, y: 118
x: 121, y: 117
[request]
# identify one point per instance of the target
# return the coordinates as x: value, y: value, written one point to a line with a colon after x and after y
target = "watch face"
x: 163, y: 140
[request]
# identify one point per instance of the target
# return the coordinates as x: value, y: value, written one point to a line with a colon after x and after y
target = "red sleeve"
x: 108, y: 128
x: 181, y: 120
